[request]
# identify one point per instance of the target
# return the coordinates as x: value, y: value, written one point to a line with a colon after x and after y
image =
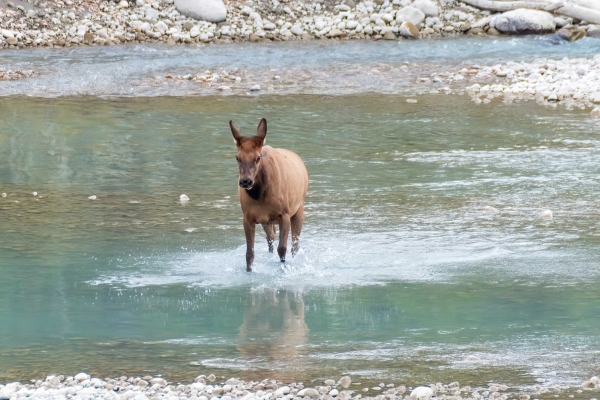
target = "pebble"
x: 545, y: 214
x: 255, y: 88
x: 421, y: 393
x: 595, y: 113
x: 411, y: 100
x: 35, y: 193
x: 4, y: 195
x: 345, y: 382
x: 183, y: 198
x: 92, y: 197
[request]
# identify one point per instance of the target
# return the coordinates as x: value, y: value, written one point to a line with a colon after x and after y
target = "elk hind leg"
x: 270, y: 231
x: 297, y: 221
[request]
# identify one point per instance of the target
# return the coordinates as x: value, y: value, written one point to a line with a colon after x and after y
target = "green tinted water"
x: 423, y: 243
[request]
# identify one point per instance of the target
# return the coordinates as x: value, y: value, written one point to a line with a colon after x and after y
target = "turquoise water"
x: 423, y: 241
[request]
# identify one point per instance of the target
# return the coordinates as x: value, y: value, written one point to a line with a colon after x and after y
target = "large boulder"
x: 524, y: 21
x: 203, y: 10
x: 410, y: 14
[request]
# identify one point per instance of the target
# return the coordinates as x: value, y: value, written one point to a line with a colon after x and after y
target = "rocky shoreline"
x: 49, y: 23
x: 83, y: 386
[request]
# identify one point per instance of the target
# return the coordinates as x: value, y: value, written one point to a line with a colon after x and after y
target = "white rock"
x: 344, y: 382
x: 410, y: 14
x: 92, y: 197
x: 255, y: 88
x: 334, y: 393
x: 428, y: 7
x: 183, y: 198
x: 195, y: 31
x: 4, y: 194
x: 34, y: 193
x: 7, y: 34
x: 81, y: 377
x: 282, y: 391
x: 161, y: 26
x: 524, y: 21
x: 351, y: 24
x: 319, y: 24
x: 203, y: 10
x: 296, y: 30
x: 421, y: 393
x: 595, y: 113
x: 546, y: 214
x: 151, y: 13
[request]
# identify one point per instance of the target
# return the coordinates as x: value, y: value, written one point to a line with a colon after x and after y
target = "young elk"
x: 272, y: 187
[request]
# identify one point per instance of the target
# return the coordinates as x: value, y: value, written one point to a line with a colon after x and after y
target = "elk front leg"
x: 284, y: 231
x: 249, y: 230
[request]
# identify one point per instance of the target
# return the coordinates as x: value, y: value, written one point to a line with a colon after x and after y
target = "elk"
x: 272, y: 185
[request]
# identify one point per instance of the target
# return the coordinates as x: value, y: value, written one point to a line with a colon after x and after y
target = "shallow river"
x: 423, y: 245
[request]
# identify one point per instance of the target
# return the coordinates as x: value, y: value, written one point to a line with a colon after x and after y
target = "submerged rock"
x: 524, y: 21
x: 203, y: 10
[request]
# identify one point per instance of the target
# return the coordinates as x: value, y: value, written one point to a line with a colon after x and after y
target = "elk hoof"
x: 283, y: 259
x: 248, y: 269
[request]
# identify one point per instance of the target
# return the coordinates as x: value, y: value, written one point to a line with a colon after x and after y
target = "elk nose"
x: 245, y: 183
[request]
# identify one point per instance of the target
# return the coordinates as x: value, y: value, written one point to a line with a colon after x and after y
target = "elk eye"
x: 237, y: 158
x: 257, y: 159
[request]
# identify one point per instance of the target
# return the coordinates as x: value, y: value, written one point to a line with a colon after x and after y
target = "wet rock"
x: 476, y: 31
x: 92, y: 197
x: 203, y: 10
x: 570, y: 34
x: 410, y: 14
x: 595, y: 113
x: 409, y: 31
x: 522, y: 21
x: 12, y: 41
x: 493, y: 32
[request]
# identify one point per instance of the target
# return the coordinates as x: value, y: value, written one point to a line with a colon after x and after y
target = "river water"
x: 425, y: 256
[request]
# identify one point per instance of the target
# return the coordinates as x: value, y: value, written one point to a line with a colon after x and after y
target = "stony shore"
x: 83, y: 386
x: 49, y: 23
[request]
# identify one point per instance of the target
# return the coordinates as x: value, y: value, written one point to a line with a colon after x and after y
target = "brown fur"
x: 272, y: 186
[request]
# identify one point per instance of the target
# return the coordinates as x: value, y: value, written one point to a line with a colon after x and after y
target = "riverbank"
x: 561, y: 74
x: 205, y: 387
x: 99, y: 22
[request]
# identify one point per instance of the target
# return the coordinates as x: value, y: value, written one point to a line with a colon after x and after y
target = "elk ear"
x: 237, y: 136
x: 261, y: 132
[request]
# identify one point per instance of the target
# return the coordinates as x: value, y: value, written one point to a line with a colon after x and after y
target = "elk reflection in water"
x: 274, y: 328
